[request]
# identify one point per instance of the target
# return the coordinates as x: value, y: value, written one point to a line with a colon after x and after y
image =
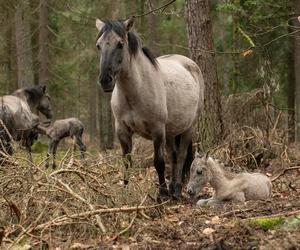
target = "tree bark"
x: 105, y: 121
x: 201, y: 46
x: 43, y: 42
x: 296, y: 52
x: 152, y: 28
x: 24, y: 44
x: 93, y: 108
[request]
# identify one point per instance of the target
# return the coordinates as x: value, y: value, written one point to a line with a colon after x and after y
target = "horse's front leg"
x: 185, y: 141
x: 159, y: 163
x: 125, y: 138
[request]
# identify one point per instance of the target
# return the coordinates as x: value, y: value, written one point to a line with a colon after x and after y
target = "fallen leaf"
x: 247, y: 52
x: 208, y: 231
x: 299, y: 19
x: 215, y: 220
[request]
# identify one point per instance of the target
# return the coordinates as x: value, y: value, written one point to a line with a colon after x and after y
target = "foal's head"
x: 117, y: 44
x: 200, y: 174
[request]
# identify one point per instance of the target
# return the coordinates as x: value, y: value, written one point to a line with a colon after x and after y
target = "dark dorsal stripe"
x: 133, y: 39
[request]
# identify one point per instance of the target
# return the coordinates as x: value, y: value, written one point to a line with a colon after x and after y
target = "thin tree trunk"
x: 93, y: 108
x: 24, y: 45
x: 152, y: 28
x: 105, y: 121
x: 43, y: 42
x: 201, y: 45
x: 296, y: 23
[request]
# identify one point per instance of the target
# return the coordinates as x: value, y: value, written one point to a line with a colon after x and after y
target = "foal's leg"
x: 159, y: 163
x: 185, y: 141
x: 49, y: 153
x: 125, y: 138
x: 82, y: 147
x: 54, y: 153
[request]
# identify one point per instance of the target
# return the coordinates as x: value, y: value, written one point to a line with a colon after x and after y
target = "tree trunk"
x: 43, y: 42
x: 24, y: 45
x: 296, y: 25
x: 200, y: 45
x: 105, y: 121
x: 152, y: 28
x: 93, y: 107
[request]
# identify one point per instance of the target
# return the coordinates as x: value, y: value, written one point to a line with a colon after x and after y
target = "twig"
x: 283, y: 172
x: 154, y: 10
x: 290, y: 213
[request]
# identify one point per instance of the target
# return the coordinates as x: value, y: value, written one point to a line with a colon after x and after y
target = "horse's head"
x: 115, y: 43
x: 38, y: 98
x: 200, y: 174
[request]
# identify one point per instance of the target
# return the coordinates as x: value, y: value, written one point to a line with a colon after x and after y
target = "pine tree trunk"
x: 297, y: 71
x: 43, y: 43
x: 93, y: 108
x: 24, y: 45
x: 105, y: 122
x: 201, y: 45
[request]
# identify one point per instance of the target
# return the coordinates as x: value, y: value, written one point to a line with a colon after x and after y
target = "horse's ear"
x: 129, y: 23
x: 99, y: 24
x: 197, y: 155
x: 44, y: 88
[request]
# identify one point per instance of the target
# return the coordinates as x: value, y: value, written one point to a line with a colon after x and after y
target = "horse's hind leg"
x: 172, y: 155
x: 185, y: 141
x: 125, y: 138
x: 159, y: 164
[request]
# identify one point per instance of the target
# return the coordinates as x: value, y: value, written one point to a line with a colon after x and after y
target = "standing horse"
x: 160, y: 99
x: 18, y: 118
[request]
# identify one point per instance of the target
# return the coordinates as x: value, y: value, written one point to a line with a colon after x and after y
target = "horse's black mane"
x: 35, y: 93
x: 133, y: 39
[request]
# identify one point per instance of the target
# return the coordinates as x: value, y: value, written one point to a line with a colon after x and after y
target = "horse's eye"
x: 199, y: 172
x: 98, y: 46
x: 120, y: 45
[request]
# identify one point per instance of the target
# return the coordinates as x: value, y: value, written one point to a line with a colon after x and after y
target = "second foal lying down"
x: 228, y: 187
x: 70, y: 127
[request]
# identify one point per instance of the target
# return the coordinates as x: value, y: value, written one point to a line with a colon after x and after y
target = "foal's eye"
x: 199, y: 172
x: 120, y: 45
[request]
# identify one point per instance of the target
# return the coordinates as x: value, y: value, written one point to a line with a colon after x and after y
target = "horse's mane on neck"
x: 31, y: 95
x: 215, y: 166
x: 134, y: 41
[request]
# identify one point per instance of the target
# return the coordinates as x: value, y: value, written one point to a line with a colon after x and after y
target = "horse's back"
x: 258, y: 186
x: 23, y: 117
x: 185, y: 91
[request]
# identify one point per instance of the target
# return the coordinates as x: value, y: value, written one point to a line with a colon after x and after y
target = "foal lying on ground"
x: 71, y: 127
x: 227, y: 186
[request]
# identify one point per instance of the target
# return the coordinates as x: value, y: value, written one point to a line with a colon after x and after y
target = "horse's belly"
x: 138, y: 125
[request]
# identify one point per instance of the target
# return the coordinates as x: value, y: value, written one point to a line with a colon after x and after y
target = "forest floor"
x: 72, y: 206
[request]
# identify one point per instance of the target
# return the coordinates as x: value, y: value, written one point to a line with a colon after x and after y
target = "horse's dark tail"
x: 188, y: 160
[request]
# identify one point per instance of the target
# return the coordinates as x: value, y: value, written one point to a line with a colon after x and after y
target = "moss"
x: 267, y: 223
x: 39, y: 147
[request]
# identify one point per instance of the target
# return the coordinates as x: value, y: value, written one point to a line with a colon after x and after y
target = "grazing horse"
x: 18, y: 118
x: 70, y: 127
x: 227, y: 186
x: 157, y: 98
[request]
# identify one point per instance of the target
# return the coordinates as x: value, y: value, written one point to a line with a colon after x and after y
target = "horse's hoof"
x: 125, y: 183
x: 171, y: 188
x: 163, y: 192
x: 177, y: 192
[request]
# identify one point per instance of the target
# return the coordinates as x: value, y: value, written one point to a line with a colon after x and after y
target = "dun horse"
x: 71, y: 127
x: 18, y: 118
x: 160, y: 99
x: 228, y: 186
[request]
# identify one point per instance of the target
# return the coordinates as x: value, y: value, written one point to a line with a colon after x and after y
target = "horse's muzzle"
x: 107, y: 83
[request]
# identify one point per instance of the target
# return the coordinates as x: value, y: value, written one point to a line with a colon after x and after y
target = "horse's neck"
x: 219, y: 179
x: 138, y: 76
x: 23, y: 97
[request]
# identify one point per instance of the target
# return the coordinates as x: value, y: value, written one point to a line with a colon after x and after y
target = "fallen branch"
x: 284, y: 171
x: 63, y: 219
x: 287, y: 214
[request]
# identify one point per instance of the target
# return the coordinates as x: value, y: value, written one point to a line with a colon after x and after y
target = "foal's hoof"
x: 163, y: 192
x: 54, y: 166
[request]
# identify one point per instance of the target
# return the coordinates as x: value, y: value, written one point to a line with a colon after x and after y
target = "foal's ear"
x: 206, y: 156
x: 99, y: 24
x: 129, y: 23
x: 197, y: 155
